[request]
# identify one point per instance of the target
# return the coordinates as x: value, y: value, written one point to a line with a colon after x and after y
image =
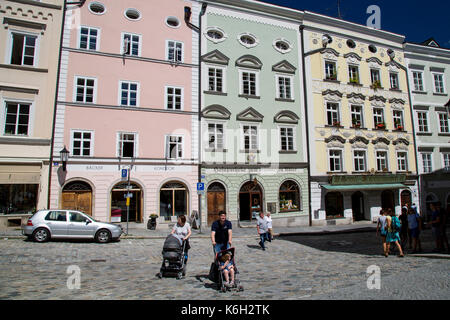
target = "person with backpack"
x: 393, y: 228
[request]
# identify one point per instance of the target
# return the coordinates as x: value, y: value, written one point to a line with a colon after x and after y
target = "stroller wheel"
x: 179, y: 275
x: 240, y: 288
x: 159, y: 275
x: 223, y: 289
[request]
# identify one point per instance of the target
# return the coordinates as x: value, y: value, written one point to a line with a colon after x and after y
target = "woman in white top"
x: 269, y: 226
x: 183, y: 230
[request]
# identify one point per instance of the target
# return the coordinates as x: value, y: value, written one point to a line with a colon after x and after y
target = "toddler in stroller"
x: 224, y: 269
x: 174, y: 257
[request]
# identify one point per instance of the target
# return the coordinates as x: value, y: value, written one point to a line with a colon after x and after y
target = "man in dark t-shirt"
x: 221, y: 233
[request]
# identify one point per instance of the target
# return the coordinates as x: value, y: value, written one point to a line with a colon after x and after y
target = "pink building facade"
x: 126, y: 101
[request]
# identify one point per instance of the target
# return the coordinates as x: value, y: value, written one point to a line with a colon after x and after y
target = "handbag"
x: 213, y: 273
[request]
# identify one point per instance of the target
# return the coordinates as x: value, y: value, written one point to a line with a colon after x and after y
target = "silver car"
x: 47, y: 224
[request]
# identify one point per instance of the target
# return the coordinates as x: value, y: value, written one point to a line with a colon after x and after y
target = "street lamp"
x: 64, y: 154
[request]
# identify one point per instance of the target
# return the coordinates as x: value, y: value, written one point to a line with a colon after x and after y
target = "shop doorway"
x: 119, y: 206
x: 173, y: 200
x: 216, y: 201
x: 77, y: 195
x: 334, y: 205
x: 405, y: 198
x: 250, y: 201
x: 358, y: 206
x: 387, y: 199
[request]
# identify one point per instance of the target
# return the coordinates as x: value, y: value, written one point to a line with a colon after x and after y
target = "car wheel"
x: 103, y: 236
x: 41, y: 235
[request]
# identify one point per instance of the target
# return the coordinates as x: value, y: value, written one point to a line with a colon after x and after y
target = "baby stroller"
x: 174, y: 257
x: 217, y: 276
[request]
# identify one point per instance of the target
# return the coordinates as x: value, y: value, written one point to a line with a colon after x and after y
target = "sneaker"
x: 227, y: 285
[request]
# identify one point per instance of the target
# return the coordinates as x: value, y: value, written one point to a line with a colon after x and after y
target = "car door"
x: 78, y: 226
x: 57, y: 223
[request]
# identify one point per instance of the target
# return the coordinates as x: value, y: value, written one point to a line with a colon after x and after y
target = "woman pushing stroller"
x: 182, y: 229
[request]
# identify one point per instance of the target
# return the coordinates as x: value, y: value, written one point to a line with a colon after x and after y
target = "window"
x: 446, y: 160
x: 372, y: 48
x: 250, y: 137
x: 426, y: 162
x: 375, y: 77
x: 402, y: 161
x: 215, y: 79
x: 85, y: 90
x: 378, y: 118
x: 282, y: 46
x: 174, y: 98
x: 418, y: 81
x: 333, y: 114
x: 18, y: 198
x: 289, y: 196
x: 422, y: 119
x: 82, y: 143
x: 17, y: 118
x: 131, y: 44
x: 351, y: 43
x: 215, y: 136
x: 359, y: 159
x: 335, y: 158
x: 56, y: 216
x: 382, y: 164
x: 173, y: 22
x: 393, y: 79
x: 443, y: 123
x: 88, y: 38
x: 284, y: 87
x: 357, y: 116
x: 438, y: 81
x: 129, y: 93
x: 287, y: 138
x: 97, y: 8
x: 23, y: 49
x: 174, y: 51
x: 77, y: 217
x: 132, y: 14
x: 173, y: 200
x: 330, y: 70
x: 127, y: 145
x: 247, y: 40
x: 334, y: 205
x: 397, y: 116
x: 174, y: 147
x: 248, y: 83
x: 353, y: 74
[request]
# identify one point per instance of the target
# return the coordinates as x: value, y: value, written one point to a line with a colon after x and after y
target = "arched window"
x: 173, y: 200
x: 289, y: 196
x: 334, y: 205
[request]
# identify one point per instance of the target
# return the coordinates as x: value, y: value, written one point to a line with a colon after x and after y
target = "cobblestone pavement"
x: 293, y: 267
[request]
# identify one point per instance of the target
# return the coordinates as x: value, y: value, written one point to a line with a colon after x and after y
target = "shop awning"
x: 363, y: 186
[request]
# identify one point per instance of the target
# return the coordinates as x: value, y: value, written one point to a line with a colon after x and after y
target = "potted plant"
x: 356, y: 123
x: 376, y: 84
x: 151, y: 224
x: 398, y: 125
x: 354, y: 80
x: 333, y: 76
x: 381, y: 125
x: 336, y: 124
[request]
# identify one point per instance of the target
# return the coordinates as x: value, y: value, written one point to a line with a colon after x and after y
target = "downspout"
x: 302, y: 27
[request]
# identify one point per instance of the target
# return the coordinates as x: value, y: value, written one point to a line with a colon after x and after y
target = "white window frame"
x: 72, y: 140
x: 439, y: 122
x: 166, y: 98
x: 358, y: 158
x: 350, y: 73
x: 75, y: 89
x: 422, y: 82
x: 433, y: 74
x: 341, y: 159
x: 294, y: 137
x: 224, y: 78
x: 361, y: 113
x: 426, y: 159
x: 241, y: 82
x: 138, y: 91
x: 31, y: 115
x: 122, y: 44
x: 445, y: 162
x: 97, y: 38
x: 8, y: 57
x: 337, y: 111
x: 215, y: 124
x: 405, y: 160
x: 397, y: 87
x: 422, y: 122
x: 250, y: 124
x: 385, y: 159
x: 383, y: 119
x: 291, y: 86
x: 396, y: 116
x: 372, y: 75
x: 119, y: 148
x: 167, y: 144
x: 175, y: 42
x: 327, y: 71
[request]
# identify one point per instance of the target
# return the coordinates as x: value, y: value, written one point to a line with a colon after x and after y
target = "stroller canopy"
x: 172, y: 243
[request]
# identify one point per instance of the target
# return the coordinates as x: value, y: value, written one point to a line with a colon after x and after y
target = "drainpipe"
x: 65, y: 4
x: 187, y: 15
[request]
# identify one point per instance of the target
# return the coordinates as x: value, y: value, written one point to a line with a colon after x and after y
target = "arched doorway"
x: 119, y: 203
x: 358, y: 206
x: 387, y: 199
x: 250, y: 201
x: 77, y: 195
x: 405, y: 198
x: 216, y: 201
x: 173, y: 200
x: 334, y: 205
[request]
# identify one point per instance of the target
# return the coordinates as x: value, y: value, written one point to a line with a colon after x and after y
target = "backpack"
x: 396, y: 225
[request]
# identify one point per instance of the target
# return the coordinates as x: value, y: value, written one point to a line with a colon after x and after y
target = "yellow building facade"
x: 361, y: 140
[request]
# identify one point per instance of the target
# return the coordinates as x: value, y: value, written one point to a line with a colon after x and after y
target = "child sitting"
x: 228, y: 269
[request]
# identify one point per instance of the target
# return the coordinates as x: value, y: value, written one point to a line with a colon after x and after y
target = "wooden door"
x: 216, y: 203
x: 81, y: 201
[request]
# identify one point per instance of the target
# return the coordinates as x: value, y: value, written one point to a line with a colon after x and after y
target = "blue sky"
x: 417, y: 20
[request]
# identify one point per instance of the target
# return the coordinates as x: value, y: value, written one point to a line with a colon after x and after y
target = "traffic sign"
x: 124, y: 174
x: 200, y: 186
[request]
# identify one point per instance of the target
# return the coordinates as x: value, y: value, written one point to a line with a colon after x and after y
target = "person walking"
x: 404, y: 230
x: 414, y: 226
x: 392, y: 232
x: 221, y: 233
x: 261, y: 227
x: 436, y: 225
x: 443, y: 215
x: 182, y: 229
x: 269, y: 226
x: 382, y: 230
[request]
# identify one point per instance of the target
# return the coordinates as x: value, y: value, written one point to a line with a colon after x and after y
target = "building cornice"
x: 37, y: 4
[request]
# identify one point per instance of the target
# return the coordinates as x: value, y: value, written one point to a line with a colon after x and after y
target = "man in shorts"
x: 221, y: 233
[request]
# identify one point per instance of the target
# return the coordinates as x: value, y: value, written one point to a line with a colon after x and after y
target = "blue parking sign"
x: 124, y: 173
x: 200, y: 186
